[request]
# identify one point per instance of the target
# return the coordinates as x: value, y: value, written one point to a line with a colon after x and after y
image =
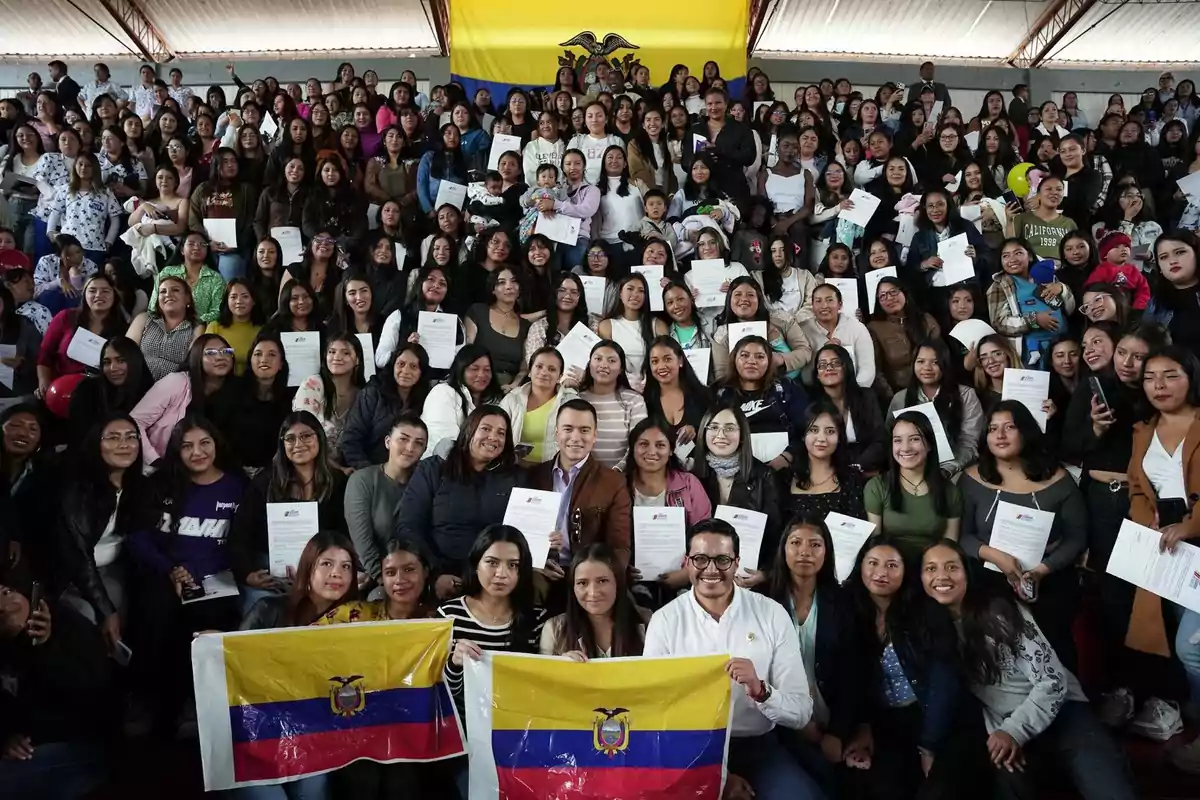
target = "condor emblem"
x: 610, y: 733
x: 597, y: 51
x: 346, y: 697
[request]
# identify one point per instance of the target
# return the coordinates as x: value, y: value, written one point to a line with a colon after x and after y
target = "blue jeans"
x: 231, y: 265
x: 770, y: 769
x: 22, y: 222
x: 42, y: 246
x: 57, y: 771
x: 311, y: 788
x: 97, y: 257
x: 1187, y: 648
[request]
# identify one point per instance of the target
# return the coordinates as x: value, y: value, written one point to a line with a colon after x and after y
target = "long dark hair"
x: 456, y: 380
x: 300, y: 610
x: 802, y: 467
x: 779, y: 577
x: 521, y: 599
x: 283, y: 473
x: 458, y: 462
x: 579, y: 315
x: 763, y: 314
x: 855, y: 397
x: 138, y: 378
x: 356, y: 377
x: 225, y: 316
x: 172, y: 478
x: 991, y: 623
x: 689, y: 382
x: 195, y: 372
x: 386, y: 378
x: 627, y: 640
x: 1037, y: 462
x: 114, y: 323
x: 932, y: 473
x: 90, y: 491
x: 341, y: 321
x: 616, y: 306
x: 622, y: 378
x: 913, y: 321
x: 948, y: 401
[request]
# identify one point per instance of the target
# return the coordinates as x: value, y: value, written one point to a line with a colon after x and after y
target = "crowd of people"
x: 150, y: 417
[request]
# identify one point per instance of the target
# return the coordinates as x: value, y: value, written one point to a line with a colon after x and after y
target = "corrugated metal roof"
x: 940, y: 29
x: 1151, y: 33
x: 58, y: 28
x: 266, y: 26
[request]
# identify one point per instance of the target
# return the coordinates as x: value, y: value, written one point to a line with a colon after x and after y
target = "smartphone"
x: 122, y: 654
x: 1028, y: 589
x: 192, y: 593
x: 1097, y: 390
x: 523, y: 450
x: 35, y: 596
x: 1010, y: 197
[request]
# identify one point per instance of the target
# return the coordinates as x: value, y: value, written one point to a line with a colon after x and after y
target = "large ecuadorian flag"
x: 631, y: 728
x: 497, y: 44
x: 280, y: 704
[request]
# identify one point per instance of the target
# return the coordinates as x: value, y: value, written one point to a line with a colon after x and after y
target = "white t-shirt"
x: 1165, y: 470
x: 109, y: 548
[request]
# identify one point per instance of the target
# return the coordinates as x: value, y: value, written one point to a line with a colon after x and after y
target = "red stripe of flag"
x: 569, y: 783
x: 268, y: 759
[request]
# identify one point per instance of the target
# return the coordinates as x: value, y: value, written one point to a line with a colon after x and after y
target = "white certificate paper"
x: 848, y: 535
x: 576, y: 347
x: 85, y: 347
x: 768, y: 446
x: 303, y: 354
x: 970, y: 331
x: 1021, y: 532
x: 1030, y: 388
x: 957, y: 266
x: 849, y: 289
x: 740, y: 330
x: 594, y: 289
x: 750, y: 527
x: 449, y: 192
x: 698, y: 142
x: 6, y: 373
x: 872, y: 279
x: 368, y: 348
x: 558, y: 228
x: 707, y: 276
x: 700, y: 358
x: 945, y: 452
x: 659, y: 540
x: 220, y: 585
x: 865, y: 204
x: 222, y: 230
x: 534, y: 513
x: 1173, y: 576
x: 501, y: 144
x: 654, y: 274
x: 289, y: 527
x: 439, y: 337
x: 291, y: 246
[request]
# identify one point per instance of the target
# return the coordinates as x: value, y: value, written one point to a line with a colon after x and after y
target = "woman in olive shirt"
x: 913, y: 503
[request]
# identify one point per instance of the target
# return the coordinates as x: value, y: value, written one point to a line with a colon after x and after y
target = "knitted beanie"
x: 1114, y: 239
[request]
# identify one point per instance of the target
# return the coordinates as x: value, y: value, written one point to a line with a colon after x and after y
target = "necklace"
x: 915, y: 486
x: 489, y: 617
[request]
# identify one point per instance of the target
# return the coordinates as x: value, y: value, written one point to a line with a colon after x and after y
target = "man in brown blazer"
x: 595, y: 503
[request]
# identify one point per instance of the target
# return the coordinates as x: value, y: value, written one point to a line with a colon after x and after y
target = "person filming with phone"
x: 56, y: 696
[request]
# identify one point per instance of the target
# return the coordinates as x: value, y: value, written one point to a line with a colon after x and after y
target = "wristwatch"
x: 766, y: 693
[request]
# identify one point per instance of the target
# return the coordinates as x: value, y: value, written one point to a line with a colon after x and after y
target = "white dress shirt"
x: 93, y: 89
x: 855, y: 338
x: 753, y: 627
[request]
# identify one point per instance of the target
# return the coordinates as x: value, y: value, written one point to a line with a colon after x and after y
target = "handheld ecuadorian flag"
x: 550, y: 729
x: 281, y: 704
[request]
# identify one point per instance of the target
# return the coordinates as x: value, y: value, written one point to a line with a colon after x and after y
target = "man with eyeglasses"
x: 595, y: 504
x: 717, y: 616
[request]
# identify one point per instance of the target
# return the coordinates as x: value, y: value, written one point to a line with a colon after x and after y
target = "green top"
x: 207, y: 294
x: 1043, y: 237
x: 240, y: 336
x: 917, y: 524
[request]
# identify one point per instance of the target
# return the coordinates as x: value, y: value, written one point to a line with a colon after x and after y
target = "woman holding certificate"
x: 1164, y: 482
x: 744, y: 302
x: 771, y: 403
x: 1035, y: 551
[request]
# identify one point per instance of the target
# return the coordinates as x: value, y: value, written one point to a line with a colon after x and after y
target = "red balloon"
x: 58, y: 396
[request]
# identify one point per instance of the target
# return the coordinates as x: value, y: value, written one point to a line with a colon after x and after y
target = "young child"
x: 654, y: 222
x: 547, y: 188
x: 482, y: 208
x: 1115, y: 249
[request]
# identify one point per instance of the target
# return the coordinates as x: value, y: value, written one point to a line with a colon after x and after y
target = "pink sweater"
x: 158, y: 412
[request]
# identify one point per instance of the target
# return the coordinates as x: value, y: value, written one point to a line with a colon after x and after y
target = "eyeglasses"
x: 701, y: 562
x: 303, y: 438
x: 596, y: 255
x: 889, y: 294
x: 115, y: 438
x: 323, y: 240
x: 825, y: 366
x: 723, y: 430
x: 218, y: 351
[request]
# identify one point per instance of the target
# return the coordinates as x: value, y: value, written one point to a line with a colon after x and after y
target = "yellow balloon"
x: 1018, y: 179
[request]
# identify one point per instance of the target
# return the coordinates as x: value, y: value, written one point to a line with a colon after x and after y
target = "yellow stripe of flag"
x: 663, y: 695
x: 297, y: 663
